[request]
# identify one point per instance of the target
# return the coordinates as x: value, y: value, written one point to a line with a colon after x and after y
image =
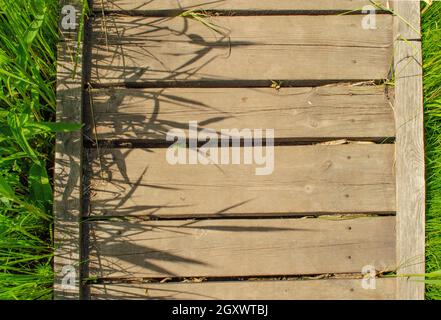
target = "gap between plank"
x: 161, y: 144
x: 223, y: 12
x: 229, y: 83
x: 295, y: 277
x: 316, y: 215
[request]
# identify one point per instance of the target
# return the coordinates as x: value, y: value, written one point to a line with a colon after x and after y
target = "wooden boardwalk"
x: 346, y: 190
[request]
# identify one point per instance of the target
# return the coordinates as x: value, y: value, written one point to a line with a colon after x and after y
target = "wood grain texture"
x: 252, y: 247
x: 407, y: 20
x: 306, y: 180
x: 232, y: 4
x: 410, y: 163
x: 330, y: 111
x: 334, y: 289
x: 139, y: 49
x: 67, y: 168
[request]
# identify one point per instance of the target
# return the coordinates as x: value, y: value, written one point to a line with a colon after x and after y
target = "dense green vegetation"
x: 431, y: 28
x: 28, y: 38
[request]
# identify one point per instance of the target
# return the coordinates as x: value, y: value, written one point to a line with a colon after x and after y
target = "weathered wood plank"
x: 306, y: 179
x: 233, y: 4
x: 67, y: 168
x: 407, y: 20
x: 335, y: 289
x: 329, y: 111
x: 235, y: 247
x: 138, y: 49
x: 410, y: 159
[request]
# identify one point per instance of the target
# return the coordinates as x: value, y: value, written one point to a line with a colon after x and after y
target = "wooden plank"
x: 236, y: 247
x: 67, y: 168
x: 317, y: 179
x: 409, y: 160
x: 149, y: 5
x: 139, y: 49
x: 407, y: 20
x: 330, y: 111
x: 335, y: 289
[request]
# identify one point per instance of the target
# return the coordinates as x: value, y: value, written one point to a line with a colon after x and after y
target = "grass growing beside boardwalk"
x: 431, y: 28
x: 28, y: 38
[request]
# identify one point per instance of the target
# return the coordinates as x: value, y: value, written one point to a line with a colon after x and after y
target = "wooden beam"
x: 318, y: 179
x: 155, y: 5
x: 332, y: 289
x: 134, y: 249
x: 409, y: 150
x: 68, y: 171
x: 133, y: 49
x: 407, y: 19
x: 334, y: 111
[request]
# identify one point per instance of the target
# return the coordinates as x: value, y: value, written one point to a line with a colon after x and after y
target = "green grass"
x: 28, y: 38
x: 431, y: 28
